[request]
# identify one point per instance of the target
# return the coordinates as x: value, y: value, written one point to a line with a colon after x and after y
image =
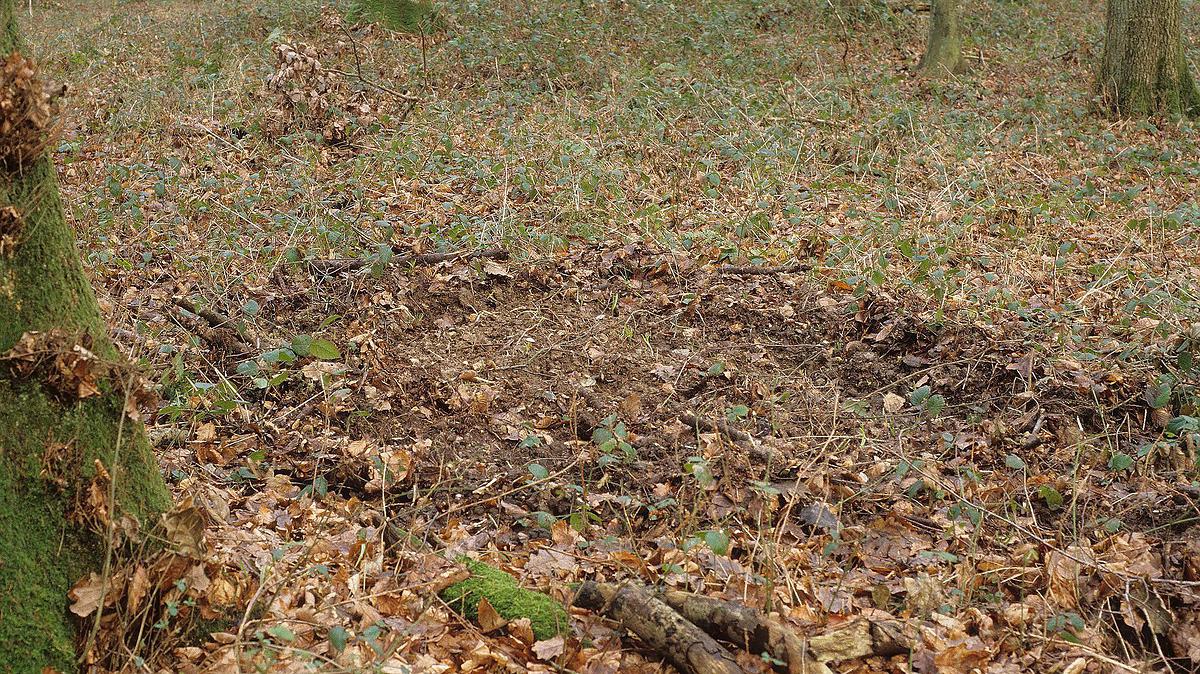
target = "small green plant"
x: 1119, y: 461
x: 924, y: 399
x: 737, y: 413
x: 1052, y: 497
x: 715, y: 540
x: 612, y: 439
x: 697, y: 467
x: 406, y: 16
x: 1065, y: 626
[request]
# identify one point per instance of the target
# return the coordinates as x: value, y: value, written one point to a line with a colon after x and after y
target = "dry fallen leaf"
x: 139, y: 584
x: 522, y: 630
x: 184, y: 526
x: 1063, y: 577
x: 86, y: 595
x: 489, y: 619
x: 892, y: 403
x: 550, y: 648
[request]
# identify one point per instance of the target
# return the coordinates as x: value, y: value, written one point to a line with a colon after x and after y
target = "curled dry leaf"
x: 65, y: 364
x: 12, y: 228
x: 27, y: 110
x: 184, y: 526
x: 489, y: 619
x: 87, y: 595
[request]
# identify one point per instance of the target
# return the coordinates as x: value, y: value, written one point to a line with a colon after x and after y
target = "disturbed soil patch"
x: 632, y: 412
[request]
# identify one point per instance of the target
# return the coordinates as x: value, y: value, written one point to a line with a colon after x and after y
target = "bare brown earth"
x: 834, y: 506
x: 942, y: 405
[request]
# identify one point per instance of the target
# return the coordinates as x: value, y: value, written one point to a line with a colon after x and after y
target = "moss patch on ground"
x: 547, y: 617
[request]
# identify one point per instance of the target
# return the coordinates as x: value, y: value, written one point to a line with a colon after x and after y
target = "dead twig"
x: 738, y: 436
x: 215, y: 320
x: 762, y: 271
x: 330, y: 267
x: 702, y: 425
x: 375, y: 85
x: 216, y: 329
x: 684, y: 628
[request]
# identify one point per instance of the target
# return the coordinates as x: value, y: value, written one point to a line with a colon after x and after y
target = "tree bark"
x: 688, y: 648
x: 943, y: 52
x: 72, y: 463
x: 1143, y: 70
x: 757, y: 633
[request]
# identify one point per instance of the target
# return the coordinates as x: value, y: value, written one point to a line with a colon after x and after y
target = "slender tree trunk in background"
x: 943, y: 53
x: 71, y: 461
x: 1143, y: 70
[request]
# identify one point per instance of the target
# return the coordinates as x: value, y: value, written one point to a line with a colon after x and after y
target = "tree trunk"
x: 1143, y: 70
x: 943, y: 53
x: 71, y: 461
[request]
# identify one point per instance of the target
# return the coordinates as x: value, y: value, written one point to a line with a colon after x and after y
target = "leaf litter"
x: 800, y: 441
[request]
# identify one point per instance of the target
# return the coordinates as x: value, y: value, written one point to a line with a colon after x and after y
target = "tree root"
x: 677, y: 624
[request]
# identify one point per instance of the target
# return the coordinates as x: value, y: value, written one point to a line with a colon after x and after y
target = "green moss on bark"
x: 42, y: 553
x: 943, y: 52
x: 1144, y: 69
x: 48, y: 445
x: 547, y: 617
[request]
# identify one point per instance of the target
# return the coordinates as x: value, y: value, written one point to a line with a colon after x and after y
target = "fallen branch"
x: 217, y: 330
x: 702, y: 425
x: 738, y: 436
x: 762, y: 271
x: 686, y: 646
x: 214, y: 319
x: 329, y: 267
x: 738, y: 624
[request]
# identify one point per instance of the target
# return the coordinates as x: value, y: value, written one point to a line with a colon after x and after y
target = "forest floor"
x: 775, y: 320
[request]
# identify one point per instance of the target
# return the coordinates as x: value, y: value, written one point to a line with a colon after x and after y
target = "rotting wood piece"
x: 739, y: 437
x: 751, y: 629
x: 660, y: 627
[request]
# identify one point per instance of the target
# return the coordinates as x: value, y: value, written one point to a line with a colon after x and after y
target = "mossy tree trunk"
x: 1144, y: 70
x: 53, y: 525
x: 943, y: 52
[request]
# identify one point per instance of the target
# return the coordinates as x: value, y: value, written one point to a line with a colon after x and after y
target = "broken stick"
x: 350, y: 264
x: 686, y: 646
x: 762, y: 271
x: 750, y: 628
